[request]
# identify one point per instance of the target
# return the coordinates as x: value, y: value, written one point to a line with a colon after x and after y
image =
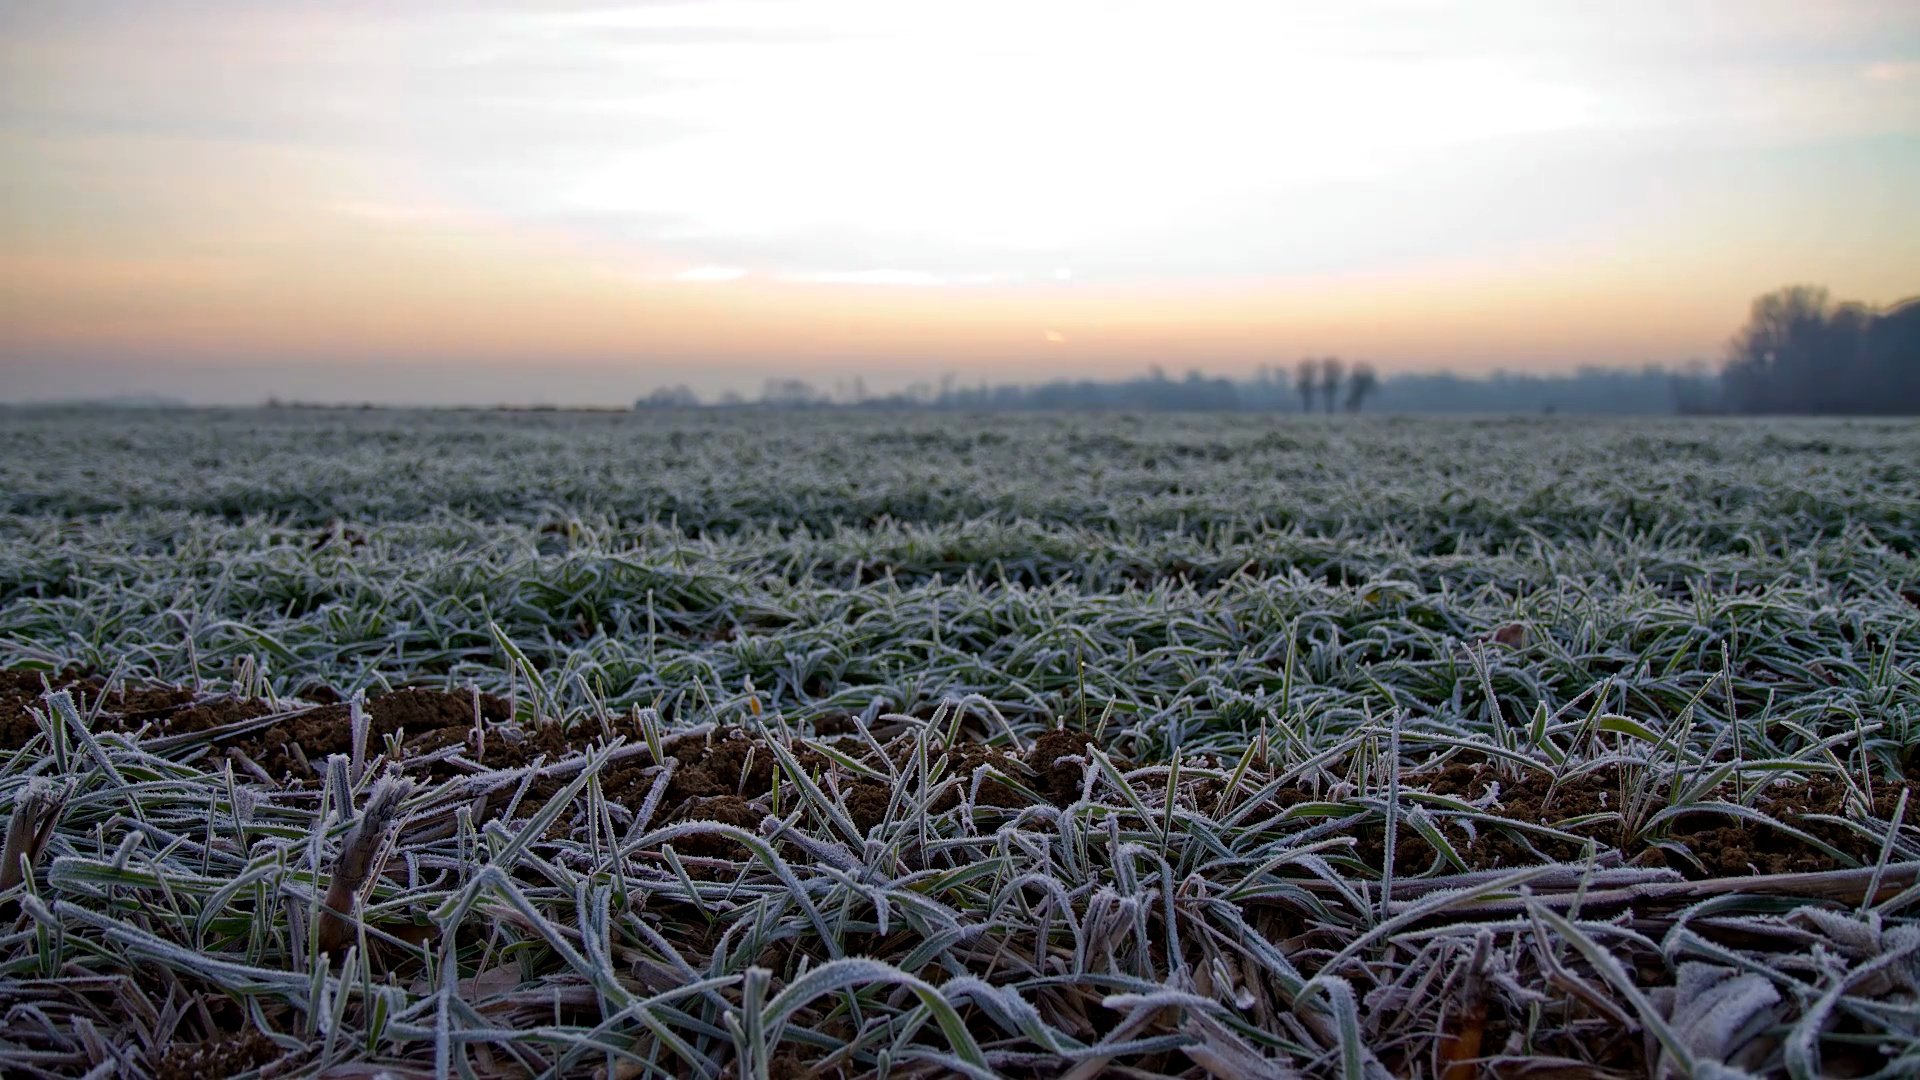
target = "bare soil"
x: 729, y: 776
x: 1723, y: 845
x: 296, y: 748
x: 292, y: 750
x: 20, y: 692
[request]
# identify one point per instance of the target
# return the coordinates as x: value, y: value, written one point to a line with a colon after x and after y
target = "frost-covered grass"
x: 1283, y: 646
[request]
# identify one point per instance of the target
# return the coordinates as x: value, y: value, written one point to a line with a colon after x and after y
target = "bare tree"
x: 1801, y: 353
x: 669, y: 397
x: 1305, y: 378
x: 1360, y: 384
x: 1331, y: 369
x: 1774, y: 362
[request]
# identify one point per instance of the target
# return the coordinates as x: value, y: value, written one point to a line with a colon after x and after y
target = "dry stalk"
x: 354, y: 867
x: 32, y: 821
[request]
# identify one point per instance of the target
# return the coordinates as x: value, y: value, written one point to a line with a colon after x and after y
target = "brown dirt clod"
x: 830, y: 724
x: 726, y: 809
x: 430, y: 718
x: 1059, y: 781
x: 867, y: 803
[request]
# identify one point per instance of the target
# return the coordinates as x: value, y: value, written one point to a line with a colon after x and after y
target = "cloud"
x: 1893, y: 71
x: 396, y: 213
x: 891, y: 276
x: 710, y: 273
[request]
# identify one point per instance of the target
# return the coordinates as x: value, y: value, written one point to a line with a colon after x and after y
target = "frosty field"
x: 754, y: 743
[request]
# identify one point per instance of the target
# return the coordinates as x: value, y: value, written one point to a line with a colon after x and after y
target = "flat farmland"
x: 761, y: 743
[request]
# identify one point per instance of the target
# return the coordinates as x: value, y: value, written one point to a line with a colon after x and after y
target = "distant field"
x: 749, y: 743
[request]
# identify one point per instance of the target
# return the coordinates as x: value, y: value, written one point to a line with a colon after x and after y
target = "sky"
x: 574, y: 202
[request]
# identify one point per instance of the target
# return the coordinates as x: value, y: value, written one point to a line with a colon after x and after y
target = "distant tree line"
x: 1316, y: 385
x: 1799, y: 353
x: 1802, y: 353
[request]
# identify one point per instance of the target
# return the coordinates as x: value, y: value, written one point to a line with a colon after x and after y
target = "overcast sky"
x: 488, y: 201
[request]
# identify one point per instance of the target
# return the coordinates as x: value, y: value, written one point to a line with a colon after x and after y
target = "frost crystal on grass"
x: 608, y: 745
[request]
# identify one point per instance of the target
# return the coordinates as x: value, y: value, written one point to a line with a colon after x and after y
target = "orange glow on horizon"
x: 371, y: 194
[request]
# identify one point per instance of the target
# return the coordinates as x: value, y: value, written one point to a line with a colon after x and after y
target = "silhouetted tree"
x: 669, y: 397
x: 1361, y: 383
x: 1331, y: 369
x: 1774, y: 363
x: 1800, y: 352
x: 1306, y: 379
x: 1892, y: 347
